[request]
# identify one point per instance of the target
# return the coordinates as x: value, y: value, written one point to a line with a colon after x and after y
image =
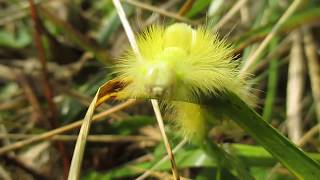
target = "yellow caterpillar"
x: 181, y: 63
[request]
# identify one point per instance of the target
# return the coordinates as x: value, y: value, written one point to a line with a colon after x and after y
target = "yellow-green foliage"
x: 179, y: 62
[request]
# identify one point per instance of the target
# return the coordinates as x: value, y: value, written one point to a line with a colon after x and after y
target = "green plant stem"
x: 305, y: 17
x: 272, y: 85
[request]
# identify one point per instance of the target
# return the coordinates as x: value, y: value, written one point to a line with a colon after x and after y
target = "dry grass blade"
x: 154, y: 102
x: 314, y: 70
x: 160, y: 11
x: 164, y: 159
x: 157, y: 112
x: 308, y: 135
x: 295, y: 88
x: 104, y: 93
x: 186, y: 7
x: 154, y: 17
x: 77, y: 157
x: 283, y: 47
x: 230, y: 14
x: 245, y: 14
x: 63, y: 129
x: 91, y: 138
x: 295, y: 4
x: 126, y: 26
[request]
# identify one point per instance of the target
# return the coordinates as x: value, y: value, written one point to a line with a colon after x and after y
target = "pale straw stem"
x: 271, y: 34
x: 154, y: 102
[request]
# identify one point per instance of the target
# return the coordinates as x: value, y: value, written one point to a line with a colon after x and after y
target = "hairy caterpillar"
x: 181, y: 63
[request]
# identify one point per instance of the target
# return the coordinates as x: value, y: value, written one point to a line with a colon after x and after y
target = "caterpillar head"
x: 156, y: 72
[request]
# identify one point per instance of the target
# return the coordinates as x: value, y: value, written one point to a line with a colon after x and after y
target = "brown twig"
x: 63, y: 129
x: 160, y: 11
x: 308, y: 135
x: 48, y: 92
x: 37, y: 114
x: 186, y: 7
x: 154, y: 17
x: 237, y: 6
x: 92, y: 138
x: 12, y: 103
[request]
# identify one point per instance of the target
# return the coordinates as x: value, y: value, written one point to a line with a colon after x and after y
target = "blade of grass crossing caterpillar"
x: 279, y: 146
x: 104, y: 93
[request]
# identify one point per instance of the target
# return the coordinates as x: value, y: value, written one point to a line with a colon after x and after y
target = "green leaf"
x: 226, y: 160
x: 308, y: 16
x: 198, y: 7
x: 264, y: 173
x: 190, y: 157
x: 20, y: 39
x: 211, y: 173
x: 272, y: 85
x: 231, y: 106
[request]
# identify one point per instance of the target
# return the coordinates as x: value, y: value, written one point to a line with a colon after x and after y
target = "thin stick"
x: 92, y: 138
x: 230, y: 14
x: 308, y: 135
x: 186, y: 7
x: 271, y: 34
x: 43, y: 61
x: 63, y: 129
x: 156, y: 16
x: 126, y: 26
x: 163, y: 160
x: 156, y: 109
x: 48, y: 92
x: 154, y: 102
x: 160, y: 11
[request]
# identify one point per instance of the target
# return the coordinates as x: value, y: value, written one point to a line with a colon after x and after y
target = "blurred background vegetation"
x: 50, y: 86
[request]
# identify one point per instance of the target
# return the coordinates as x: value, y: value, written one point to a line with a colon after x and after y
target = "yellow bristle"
x: 181, y: 63
x: 190, y: 120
